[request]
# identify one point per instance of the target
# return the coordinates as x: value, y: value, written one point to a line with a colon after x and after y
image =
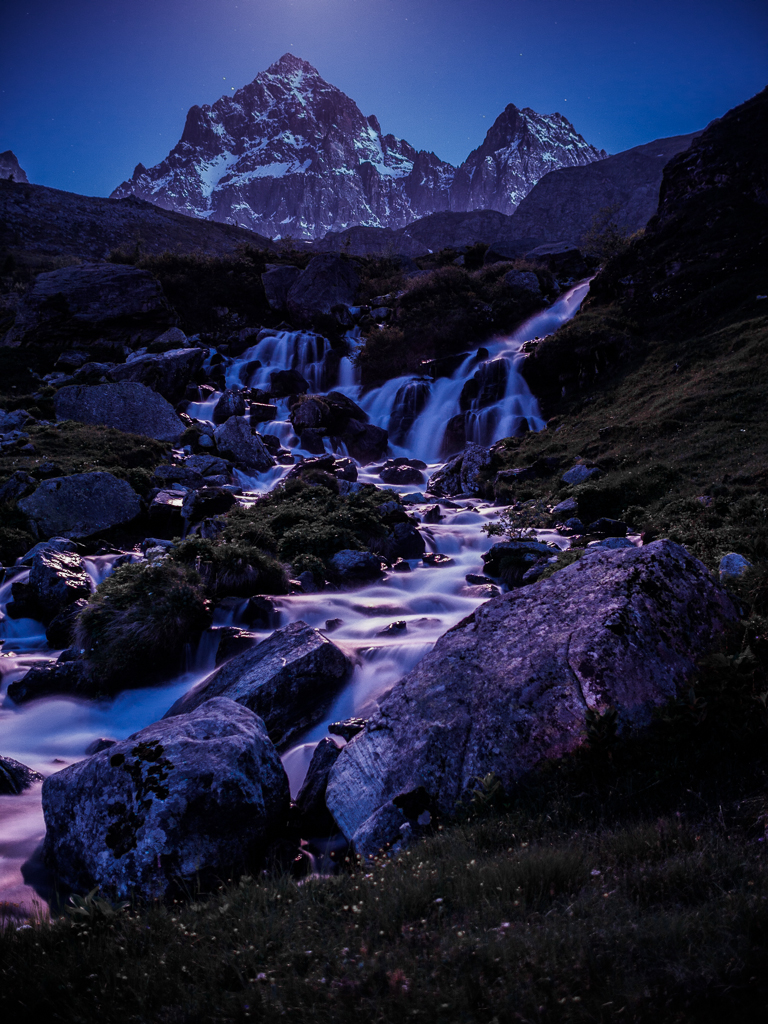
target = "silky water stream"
x: 50, y: 733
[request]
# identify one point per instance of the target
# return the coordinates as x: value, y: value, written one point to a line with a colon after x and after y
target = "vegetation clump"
x: 141, y: 620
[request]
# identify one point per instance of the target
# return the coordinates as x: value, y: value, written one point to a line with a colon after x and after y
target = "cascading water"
x: 48, y: 734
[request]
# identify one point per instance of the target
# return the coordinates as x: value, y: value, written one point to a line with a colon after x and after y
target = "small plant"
x: 93, y: 909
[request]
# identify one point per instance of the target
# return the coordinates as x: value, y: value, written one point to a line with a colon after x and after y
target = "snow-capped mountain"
x: 291, y: 155
x: 520, y: 148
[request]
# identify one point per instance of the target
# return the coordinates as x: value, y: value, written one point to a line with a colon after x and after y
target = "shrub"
x: 141, y: 620
x: 232, y: 567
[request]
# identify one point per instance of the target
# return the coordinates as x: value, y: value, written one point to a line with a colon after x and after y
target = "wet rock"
x: 92, y: 304
x: 512, y: 685
x: 232, y: 641
x: 365, y: 442
x: 353, y: 567
x: 167, y: 476
x: 262, y: 412
x: 322, y: 463
x: 188, y: 800
x: 477, y: 580
x: 261, y: 613
x: 608, y: 527
x: 289, y: 679
x: 312, y: 412
x: 70, y: 678
x: 394, y: 629
x: 408, y: 404
x: 307, y: 582
x: 732, y: 566
x: 401, y: 475
x: 236, y: 440
x: 15, y: 777
x: 52, y: 544
x: 401, y: 565
x: 329, y: 280
x: 310, y: 800
x: 133, y: 408
x: 208, y: 501
x: 167, y: 373
x: 432, y: 514
x: 574, y: 525
x: 510, y: 560
x: 61, y: 629
x: 345, y: 469
x: 488, y: 385
x: 566, y: 508
x: 231, y: 403
x: 579, y: 475
x: 348, y: 728
x: 404, y: 541
x: 462, y: 474
x: 284, y: 383
x: 333, y: 624
x: 80, y: 505
x: 165, y: 510
x: 435, y: 559
x: 612, y: 543
x: 58, y: 579
x: 277, y: 283
x: 312, y: 439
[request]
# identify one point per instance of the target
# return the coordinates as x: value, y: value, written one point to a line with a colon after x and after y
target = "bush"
x: 237, y: 568
x: 141, y: 621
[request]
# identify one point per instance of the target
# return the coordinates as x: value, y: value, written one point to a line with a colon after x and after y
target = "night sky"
x: 88, y: 89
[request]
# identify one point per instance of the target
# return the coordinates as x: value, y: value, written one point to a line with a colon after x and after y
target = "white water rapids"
x: 50, y: 733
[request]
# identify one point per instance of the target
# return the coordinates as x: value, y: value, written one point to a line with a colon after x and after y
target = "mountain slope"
x: 564, y: 202
x: 292, y: 155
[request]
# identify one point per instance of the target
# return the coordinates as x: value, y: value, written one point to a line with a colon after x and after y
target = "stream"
x: 51, y: 733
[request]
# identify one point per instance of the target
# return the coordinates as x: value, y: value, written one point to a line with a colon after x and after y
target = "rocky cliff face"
x: 520, y: 147
x: 290, y: 154
x: 9, y: 168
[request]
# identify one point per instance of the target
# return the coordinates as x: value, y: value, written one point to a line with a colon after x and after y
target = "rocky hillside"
x: 51, y: 223
x: 291, y: 154
x: 623, y: 189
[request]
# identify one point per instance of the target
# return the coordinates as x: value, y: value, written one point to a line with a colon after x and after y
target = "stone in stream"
x: 191, y: 799
x: 15, y: 777
x: 62, y: 677
x: 462, y: 474
x: 58, y: 579
x: 353, y: 567
x: 80, y: 505
x: 231, y: 403
x: 236, y: 440
x: 310, y: 800
x: 511, y: 685
x: 133, y: 408
x: 289, y: 680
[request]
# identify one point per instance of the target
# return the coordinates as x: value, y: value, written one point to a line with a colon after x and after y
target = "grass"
x: 626, y: 882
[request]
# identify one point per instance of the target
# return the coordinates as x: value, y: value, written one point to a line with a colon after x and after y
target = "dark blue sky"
x: 88, y: 89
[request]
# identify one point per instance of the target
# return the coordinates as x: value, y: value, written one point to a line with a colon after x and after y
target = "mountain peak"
x: 290, y: 63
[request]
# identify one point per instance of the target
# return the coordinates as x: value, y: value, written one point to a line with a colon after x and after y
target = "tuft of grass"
x: 141, y: 621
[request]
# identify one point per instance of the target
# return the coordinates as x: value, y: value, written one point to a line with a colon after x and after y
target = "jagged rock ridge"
x: 10, y: 169
x: 291, y: 154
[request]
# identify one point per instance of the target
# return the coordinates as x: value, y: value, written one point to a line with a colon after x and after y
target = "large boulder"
x: 167, y: 373
x: 92, y: 304
x: 328, y: 281
x: 462, y: 474
x: 127, y: 406
x: 188, y: 799
x: 512, y: 685
x: 236, y: 441
x: 365, y: 441
x: 277, y: 283
x: 289, y: 680
x: 80, y: 505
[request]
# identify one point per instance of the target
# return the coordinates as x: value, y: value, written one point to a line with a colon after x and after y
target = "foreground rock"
x: 80, y: 505
x: 191, y: 798
x: 289, y: 680
x: 236, y: 441
x: 128, y: 406
x: 512, y: 684
x: 167, y: 373
x: 15, y: 777
x: 92, y: 304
